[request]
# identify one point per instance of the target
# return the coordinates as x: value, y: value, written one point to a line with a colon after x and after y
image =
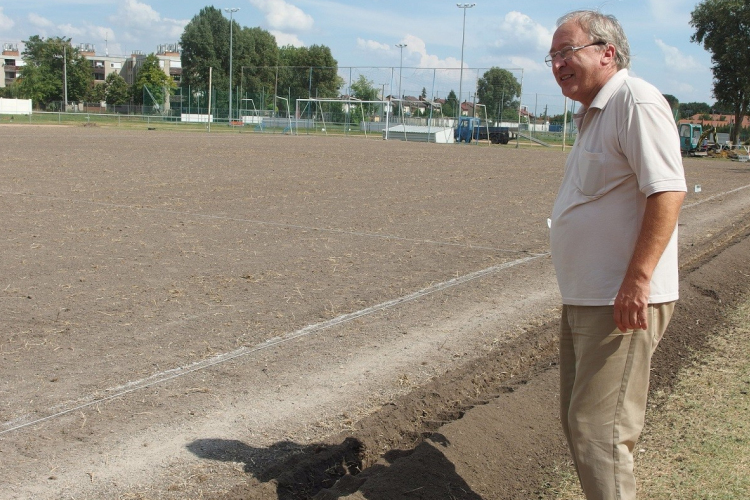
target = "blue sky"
x: 365, y: 32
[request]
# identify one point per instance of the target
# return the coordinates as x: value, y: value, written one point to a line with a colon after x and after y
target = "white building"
x: 11, y: 63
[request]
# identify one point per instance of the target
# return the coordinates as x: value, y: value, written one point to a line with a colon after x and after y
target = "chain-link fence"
x: 416, y: 96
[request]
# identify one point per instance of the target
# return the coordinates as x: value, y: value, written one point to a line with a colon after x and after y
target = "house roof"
x: 714, y: 120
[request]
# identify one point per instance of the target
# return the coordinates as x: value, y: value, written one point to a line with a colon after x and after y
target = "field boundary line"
x: 174, y: 373
x: 718, y: 195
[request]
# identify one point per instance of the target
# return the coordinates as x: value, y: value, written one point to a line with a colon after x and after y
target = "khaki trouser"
x: 604, y: 376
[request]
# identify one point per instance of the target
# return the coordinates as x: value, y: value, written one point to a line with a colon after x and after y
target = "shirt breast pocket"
x: 592, y: 175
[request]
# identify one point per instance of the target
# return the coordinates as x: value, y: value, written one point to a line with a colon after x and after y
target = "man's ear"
x: 609, y: 53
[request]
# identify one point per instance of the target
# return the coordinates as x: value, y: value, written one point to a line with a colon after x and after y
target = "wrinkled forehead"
x: 569, y: 34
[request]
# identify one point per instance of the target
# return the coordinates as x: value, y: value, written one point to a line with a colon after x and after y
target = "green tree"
x: 205, y: 44
x: 96, y: 93
x: 723, y: 28
x: 117, y: 90
x: 257, y: 68
x: 688, y: 109
x: 47, y: 63
x: 310, y: 72
x: 153, y: 82
x: 560, y: 119
x: 672, y: 100
x: 451, y: 105
x: 497, y: 89
x: 674, y: 104
x: 364, y: 90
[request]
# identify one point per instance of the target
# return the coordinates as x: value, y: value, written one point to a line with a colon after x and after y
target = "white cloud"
x: 283, y: 39
x: 137, y: 13
x: 102, y: 33
x: 40, y: 22
x: 416, y: 50
x: 71, y: 31
x: 174, y: 28
x: 684, y: 88
x: 519, y: 31
x: 6, y: 23
x: 670, y: 12
x: 530, y: 65
x: 372, y: 45
x: 87, y: 33
x: 675, y: 60
x: 140, y: 20
x: 284, y: 16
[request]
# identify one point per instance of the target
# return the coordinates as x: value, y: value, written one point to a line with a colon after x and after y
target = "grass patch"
x: 698, y: 442
x: 696, y: 445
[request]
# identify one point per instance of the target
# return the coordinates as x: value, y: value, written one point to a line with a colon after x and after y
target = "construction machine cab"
x: 690, y: 137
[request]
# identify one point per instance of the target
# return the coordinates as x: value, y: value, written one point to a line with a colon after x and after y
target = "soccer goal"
x: 478, y: 109
x: 342, y: 116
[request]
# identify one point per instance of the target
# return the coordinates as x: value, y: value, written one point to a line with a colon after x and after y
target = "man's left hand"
x: 631, y: 305
x: 659, y: 221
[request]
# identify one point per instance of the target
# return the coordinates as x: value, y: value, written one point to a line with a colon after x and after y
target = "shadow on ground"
x: 329, y: 472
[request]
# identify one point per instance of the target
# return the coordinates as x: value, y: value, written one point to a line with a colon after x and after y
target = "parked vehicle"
x: 471, y: 129
x: 694, y: 139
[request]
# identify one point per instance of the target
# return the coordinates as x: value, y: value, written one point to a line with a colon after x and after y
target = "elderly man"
x: 614, y: 247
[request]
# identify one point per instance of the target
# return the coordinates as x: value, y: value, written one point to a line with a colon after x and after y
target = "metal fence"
x: 273, y: 109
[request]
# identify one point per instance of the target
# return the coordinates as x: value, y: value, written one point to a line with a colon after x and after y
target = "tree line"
x: 55, y: 70
x: 721, y: 26
x: 54, y: 67
x: 261, y: 67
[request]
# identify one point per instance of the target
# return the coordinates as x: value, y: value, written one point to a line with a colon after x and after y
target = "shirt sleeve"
x: 650, y: 141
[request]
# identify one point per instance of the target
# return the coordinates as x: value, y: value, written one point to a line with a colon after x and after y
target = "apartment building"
x: 11, y: 63
x: 101, y: 66
x: 128, y: 66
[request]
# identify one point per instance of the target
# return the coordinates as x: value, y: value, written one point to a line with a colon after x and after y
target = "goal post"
x: 330, y: 113
x: 486, y: 121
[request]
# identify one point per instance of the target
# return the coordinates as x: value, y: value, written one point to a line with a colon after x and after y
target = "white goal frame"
x: 351, y: 102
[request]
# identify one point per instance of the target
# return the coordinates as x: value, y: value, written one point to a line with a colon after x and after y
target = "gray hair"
x: 602, y: 28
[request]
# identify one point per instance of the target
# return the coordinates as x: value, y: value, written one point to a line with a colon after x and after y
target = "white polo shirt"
x: 627, y: 149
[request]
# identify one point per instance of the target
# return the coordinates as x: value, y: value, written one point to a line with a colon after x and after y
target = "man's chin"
x: 569, y: 93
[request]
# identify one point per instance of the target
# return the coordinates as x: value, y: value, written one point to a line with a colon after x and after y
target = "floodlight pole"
x: 231, y: 11
x: 463, y: 6
x: 382, y: 97
x: 65, y: 75
x: 401, y: 67
x: 242, y: 88
x: 400, y: 71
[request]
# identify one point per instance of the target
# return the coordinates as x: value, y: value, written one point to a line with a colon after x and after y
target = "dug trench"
x: 489, y: 430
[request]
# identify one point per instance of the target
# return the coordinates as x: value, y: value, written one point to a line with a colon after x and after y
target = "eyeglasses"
x: 567, y: 52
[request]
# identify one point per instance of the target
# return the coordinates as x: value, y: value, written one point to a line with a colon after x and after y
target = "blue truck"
x: 471, y: 129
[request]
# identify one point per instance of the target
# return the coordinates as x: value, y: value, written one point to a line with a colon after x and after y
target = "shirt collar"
x: 609, y: 89
x: 603, y: 97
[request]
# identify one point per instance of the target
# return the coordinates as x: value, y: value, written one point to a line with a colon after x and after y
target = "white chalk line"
x: 167, y: 375
x: 719, y: 195
x: 267, y: 223
x: 174, y: 373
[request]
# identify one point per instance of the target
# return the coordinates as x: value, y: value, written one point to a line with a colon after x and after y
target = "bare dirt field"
x: 189, y: 315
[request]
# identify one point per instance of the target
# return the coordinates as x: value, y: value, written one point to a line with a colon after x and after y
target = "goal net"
x: 342, y: 116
